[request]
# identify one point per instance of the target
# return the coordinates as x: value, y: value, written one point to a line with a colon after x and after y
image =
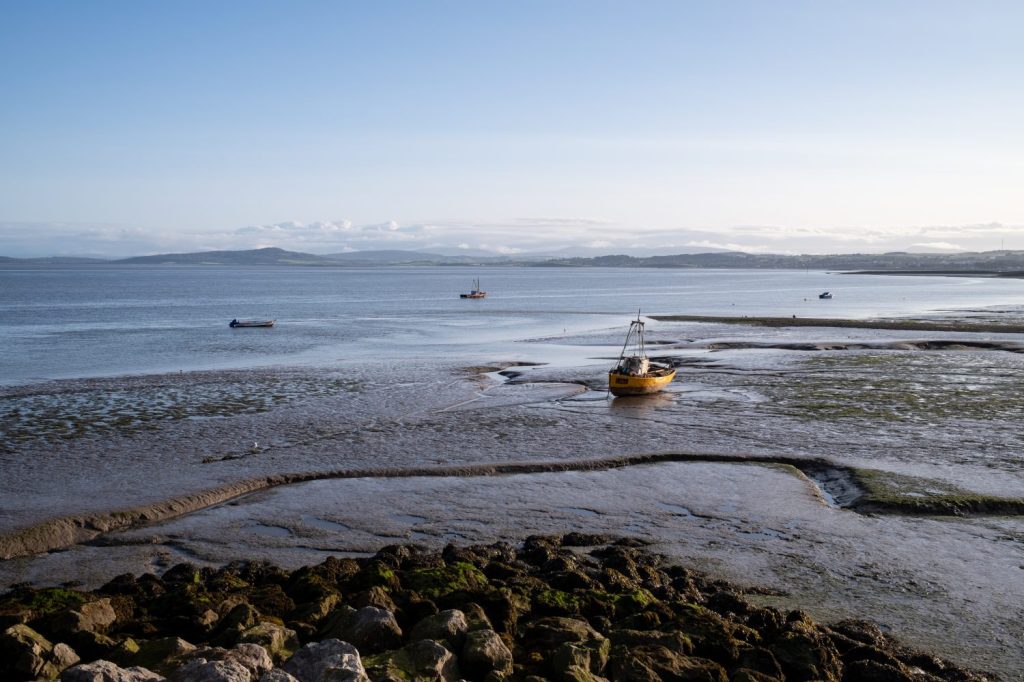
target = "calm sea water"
x: 106, y: 320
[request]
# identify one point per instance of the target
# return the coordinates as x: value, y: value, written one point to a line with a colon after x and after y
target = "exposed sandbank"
x: 904, y: 325
x: 857, y: 489
x: 1013, y: 274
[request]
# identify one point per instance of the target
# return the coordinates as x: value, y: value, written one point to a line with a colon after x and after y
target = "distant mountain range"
x: 988, y: 262
x: 275, y: 256
x: 269, y: 256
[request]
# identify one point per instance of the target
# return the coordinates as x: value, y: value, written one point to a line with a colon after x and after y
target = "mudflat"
x: 849, y: 472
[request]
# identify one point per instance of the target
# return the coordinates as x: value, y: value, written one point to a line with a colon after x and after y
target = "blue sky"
x: 132, y: 128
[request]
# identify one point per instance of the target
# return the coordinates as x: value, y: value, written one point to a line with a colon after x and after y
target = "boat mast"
x: 635, y: 327
x: 640, y: 335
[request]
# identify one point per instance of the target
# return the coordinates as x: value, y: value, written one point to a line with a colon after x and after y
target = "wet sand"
x: 1007, y: 327
x: 933, y: 413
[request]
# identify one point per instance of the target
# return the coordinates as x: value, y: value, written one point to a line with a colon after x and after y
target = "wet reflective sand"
x: 883, y: 400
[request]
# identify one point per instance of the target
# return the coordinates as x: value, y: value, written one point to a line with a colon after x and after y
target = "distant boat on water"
x: 635, y: 374
x: 251, y: 323
x: 825, y: 294
x: 476, y: 292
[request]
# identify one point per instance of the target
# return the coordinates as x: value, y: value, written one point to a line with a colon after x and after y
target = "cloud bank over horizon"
x: 519, y: 236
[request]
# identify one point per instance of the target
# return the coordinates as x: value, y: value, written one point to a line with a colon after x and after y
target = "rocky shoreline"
x: 571, y: 607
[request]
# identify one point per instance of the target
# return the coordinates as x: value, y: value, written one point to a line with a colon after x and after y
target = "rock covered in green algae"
x: 370, y: 629
x: 28, y: 655
x: 424, y: 659
x: 448, y: 627
x: 484, y: 651
x: 552, y: 609
x: 279, y: 641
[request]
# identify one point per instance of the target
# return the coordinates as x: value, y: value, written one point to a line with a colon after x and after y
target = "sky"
x: 130, y: 128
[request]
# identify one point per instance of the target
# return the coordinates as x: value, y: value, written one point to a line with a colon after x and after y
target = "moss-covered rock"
x: 161, y: 655
x: 374, y: 574
x: 557, y: 602
x: 421, y: 661
x: 658, y: 663
x: 27, y: 655
x: 806, y: 653
x: 25, y: 605
x: 313, y: 612
x: 369, y: 629
x: 280, y: 642
x: 451, y: 579
x: 484, y: 652
x: 571, y: 659
x: 94, y: 616
x: 615, y: 612
x: 449, y: 627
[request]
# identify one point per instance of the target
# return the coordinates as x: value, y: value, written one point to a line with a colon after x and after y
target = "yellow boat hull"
x: 652, y: 382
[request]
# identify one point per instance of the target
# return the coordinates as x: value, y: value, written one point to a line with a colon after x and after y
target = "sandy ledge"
x: 905, y: 325
x: 857, y: 489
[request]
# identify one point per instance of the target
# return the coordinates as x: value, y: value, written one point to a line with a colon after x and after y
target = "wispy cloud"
x: 728, y: 246
x: 296, y: 229
x: 942, y: 246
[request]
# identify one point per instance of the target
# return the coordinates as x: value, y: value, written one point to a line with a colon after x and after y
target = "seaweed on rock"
x: 553, y: 608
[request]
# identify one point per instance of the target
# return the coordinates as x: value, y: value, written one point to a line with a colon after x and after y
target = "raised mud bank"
x: 566, y: 607
x: 904, y: 325
x: 856, y: 489
x: 1012, y: 274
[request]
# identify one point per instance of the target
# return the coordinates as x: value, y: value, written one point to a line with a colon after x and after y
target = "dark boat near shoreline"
x: 250, y: 323
x: 476, y: 292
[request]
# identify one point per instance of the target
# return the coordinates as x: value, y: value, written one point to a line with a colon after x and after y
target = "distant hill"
x: 987, y: 262
x: 994, y: 263
x: 384, y: 256
x: 53, y: 260
x: 597, y: 252
x: 268, y: 256
x: 275, y: 256
x: 400, y: 257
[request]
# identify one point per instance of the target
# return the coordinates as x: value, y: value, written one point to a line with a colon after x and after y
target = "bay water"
x: 74, y: 322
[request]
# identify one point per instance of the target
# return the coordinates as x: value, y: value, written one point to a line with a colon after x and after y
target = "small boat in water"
x: 250, y: 323
x: 635, y: 374
x: 825, y: 294
x: 476, y: 292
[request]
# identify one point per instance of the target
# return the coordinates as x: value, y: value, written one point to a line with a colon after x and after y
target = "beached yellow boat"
x: 635, y: 374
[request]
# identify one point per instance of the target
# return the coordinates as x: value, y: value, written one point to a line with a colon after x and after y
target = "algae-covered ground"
x: 903, y: 386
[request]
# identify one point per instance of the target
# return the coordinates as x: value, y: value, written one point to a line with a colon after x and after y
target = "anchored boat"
x: 825, y: 294
x: 250, y: 323
x: 635, y: 374
x: 476, y: 292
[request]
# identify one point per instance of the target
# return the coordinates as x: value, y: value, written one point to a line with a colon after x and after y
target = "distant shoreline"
x: 904, y: 325
x: 984, y: 264
x: 1016, y: 274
